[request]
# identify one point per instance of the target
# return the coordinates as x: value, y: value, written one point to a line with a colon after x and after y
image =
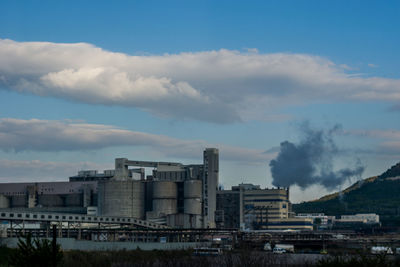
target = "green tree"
x: 35, y: 253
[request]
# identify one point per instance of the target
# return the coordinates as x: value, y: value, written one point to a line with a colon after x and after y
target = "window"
x: 19, y: 215
x: 35, y: 216
x: 3, y: 215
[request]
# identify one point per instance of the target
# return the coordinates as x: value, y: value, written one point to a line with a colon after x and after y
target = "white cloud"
x: 220, y: 86
x: 44, y: 135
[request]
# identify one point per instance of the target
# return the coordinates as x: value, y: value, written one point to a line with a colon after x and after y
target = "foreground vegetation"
x: 182, y: 258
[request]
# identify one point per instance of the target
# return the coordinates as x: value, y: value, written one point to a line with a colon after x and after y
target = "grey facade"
x: 249, y: 206
x: 177, y: 195
x: 49, y: 196
x: 210, y: 185
x: 229, y: 209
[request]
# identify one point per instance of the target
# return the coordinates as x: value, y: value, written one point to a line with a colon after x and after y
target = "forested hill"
x: 379, y: 194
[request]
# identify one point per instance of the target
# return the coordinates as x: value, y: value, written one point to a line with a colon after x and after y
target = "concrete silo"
x: 192, y: 197
x: 121, y: 198
x: 165, y: 195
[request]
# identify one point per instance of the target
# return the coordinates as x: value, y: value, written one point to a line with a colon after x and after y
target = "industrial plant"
x: 169, y: 205
x: 174, y: 195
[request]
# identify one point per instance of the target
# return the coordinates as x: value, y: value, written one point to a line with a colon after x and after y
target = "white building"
x: 321, y: 216
x: 360, y: 217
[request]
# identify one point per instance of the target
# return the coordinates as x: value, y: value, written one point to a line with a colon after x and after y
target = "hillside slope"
x: 379, y: 195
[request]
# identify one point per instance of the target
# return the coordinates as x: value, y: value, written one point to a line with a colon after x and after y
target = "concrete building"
x: 72, y: 197
x: 369, y: 218
x: 177, y: 195
x: 289, y: 223
x: 248, y: 206
x: 319, y: 220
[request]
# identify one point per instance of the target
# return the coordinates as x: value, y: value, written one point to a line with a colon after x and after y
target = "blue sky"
x: 160, y: 80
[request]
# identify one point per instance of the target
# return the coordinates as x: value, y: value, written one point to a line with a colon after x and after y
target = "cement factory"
x: 176, y: 206
x: 174, y: 196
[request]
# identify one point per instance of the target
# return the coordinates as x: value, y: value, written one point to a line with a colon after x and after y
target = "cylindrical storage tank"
x: 165, y: 195
x: 138, y: 199
x: 4, y: 202
x: 165, y: 206
x: 192, y: 192
x: 165, y: 189
x: 192, y: 206
x: 123, y: 198
x: 192, y: 189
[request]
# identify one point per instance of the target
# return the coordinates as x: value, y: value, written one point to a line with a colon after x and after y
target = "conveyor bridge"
x: 76, y: 218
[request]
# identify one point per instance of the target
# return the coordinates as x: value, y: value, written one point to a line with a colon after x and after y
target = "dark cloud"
x: 310, y: 161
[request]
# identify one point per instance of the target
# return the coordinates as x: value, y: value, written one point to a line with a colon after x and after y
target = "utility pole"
x: 54, y: 246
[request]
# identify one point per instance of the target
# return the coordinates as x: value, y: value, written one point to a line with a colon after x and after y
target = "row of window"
x: 64, y: 217
x: 13, y: 193
x: 265, y: 200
